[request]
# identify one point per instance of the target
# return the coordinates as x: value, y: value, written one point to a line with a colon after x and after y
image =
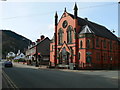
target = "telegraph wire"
x: 40, y: 14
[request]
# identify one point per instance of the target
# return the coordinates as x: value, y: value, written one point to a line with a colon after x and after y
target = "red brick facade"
x: 76, y: 41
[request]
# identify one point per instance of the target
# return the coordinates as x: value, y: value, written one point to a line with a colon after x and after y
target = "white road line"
x: 9, y: 80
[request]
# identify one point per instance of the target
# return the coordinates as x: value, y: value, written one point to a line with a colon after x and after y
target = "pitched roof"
x: 44, y: 46
x: 119, y: 39
x: 98, y: 30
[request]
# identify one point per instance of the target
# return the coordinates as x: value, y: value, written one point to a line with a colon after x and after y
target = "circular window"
x: 65, y: 23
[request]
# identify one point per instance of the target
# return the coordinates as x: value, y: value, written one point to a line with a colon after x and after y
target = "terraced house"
x: 83, y: 44
x: 39, y: 53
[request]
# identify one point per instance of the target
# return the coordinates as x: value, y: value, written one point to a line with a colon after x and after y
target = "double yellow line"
x: 10, y: 82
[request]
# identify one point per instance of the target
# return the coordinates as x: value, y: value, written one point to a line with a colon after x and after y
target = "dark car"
x: 8, y: 64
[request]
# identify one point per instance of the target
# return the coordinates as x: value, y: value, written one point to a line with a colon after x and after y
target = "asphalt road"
x: 25, y: 77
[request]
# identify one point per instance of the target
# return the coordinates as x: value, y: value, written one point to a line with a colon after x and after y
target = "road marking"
x: 9, y: 80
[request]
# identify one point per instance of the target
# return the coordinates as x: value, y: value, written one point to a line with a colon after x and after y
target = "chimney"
x: 33, y: 43
x: 38, y: 40
x: 86, y: 18
x: 42, y: 37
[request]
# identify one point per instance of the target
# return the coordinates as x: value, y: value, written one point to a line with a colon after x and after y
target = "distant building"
x: 83, y: 44
x: 19, y: 55
x: 39, y: 53
x: 10, y: 55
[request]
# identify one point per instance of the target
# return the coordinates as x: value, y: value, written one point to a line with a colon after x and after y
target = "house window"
x: 104, y: 43
x: 98, y: 56
x: 105, y: 56
x: 110, y: 45
x: 81, y: 44
x: 88, y: 44
x: 60, y: 36
x: 97, y: 42
x: 69, y: 34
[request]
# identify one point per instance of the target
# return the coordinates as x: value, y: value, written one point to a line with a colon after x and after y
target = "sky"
x: 33, y: 19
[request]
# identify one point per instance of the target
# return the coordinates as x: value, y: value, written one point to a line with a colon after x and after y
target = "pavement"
x: 67, y: 70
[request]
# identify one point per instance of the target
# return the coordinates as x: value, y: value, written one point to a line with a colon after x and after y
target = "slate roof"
x: 98, y: 30
x: 43, y: 47
x: 119, y: 39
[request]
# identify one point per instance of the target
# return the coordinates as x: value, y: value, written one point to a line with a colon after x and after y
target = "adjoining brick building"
x: 39, y: 53
x: 83, y: 44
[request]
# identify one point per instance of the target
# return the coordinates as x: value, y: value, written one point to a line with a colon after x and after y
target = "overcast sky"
x: 32, y: 19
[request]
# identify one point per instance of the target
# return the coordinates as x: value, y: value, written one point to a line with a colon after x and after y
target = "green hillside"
x: 12, y: 41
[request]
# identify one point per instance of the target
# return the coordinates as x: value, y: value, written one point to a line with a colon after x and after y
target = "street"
x: 25, y: 77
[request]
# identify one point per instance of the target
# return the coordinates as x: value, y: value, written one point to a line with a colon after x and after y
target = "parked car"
x: 8, y: 64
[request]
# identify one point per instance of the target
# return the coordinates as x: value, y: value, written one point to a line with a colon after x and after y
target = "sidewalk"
x: 41, y: 67
x: 45, y: 68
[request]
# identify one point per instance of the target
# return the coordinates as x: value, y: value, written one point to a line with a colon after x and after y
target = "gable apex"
x: 86, y: 29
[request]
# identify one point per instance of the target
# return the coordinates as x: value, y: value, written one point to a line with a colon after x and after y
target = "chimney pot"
x: 42, y: 37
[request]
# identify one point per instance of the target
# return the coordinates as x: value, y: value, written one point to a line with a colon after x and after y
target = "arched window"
x: 88, y: 44
x: 60, y: 36
x: 81, y: 44
x: 69, y: 34
x: 79, y: 56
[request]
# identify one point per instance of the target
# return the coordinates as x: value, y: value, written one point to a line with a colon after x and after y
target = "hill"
x: 12, y: 41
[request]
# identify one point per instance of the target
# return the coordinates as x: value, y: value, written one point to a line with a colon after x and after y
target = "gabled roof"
x: 44, y: 46
x: 86, y: 29
x: 98, y: 30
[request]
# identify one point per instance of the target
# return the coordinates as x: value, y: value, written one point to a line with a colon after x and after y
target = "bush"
x: 15, y: 60
x: 21, y: 60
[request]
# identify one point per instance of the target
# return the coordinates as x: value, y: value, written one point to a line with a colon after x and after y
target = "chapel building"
x: 83, y: 44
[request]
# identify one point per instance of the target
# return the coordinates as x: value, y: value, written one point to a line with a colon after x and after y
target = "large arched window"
x: 81, y: 44
x: 88, y: 44
x: 69, y: 34
x: 60, y: 36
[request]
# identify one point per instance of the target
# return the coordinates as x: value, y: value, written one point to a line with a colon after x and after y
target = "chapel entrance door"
x: 65, y: 56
